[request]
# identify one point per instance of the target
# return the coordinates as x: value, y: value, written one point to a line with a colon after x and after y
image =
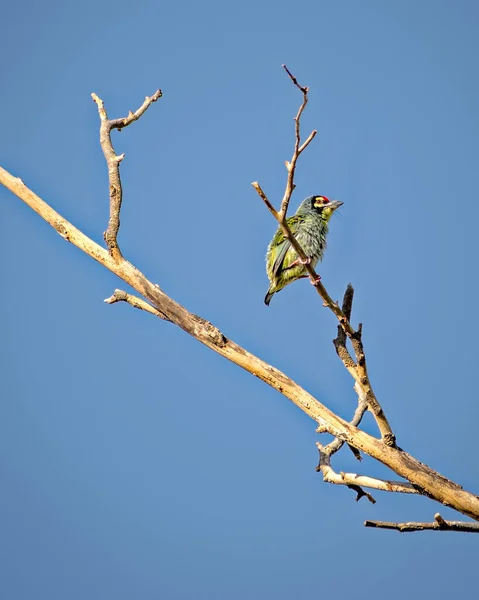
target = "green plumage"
x: 310, y: 227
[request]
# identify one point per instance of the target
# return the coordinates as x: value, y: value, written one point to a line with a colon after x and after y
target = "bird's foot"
x: 315, y: 281
x: 300, y: 261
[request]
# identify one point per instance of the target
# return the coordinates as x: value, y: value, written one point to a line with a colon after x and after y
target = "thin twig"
x: 349, y: 479
x: 340, y: 340
x: 439, y: 524
x: 113, y: 163
x: 346, y: 310
x: 298, y: 148
x: 337, y: 444
x: 295, y: 81
x: 122, y: 296
x: 358, y: 370
x: 124, y: 122
x: 262, y: 195
x: 362, y: 377
x: 361, y: 493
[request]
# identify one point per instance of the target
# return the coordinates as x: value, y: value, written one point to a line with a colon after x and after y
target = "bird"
x: 310, y: 227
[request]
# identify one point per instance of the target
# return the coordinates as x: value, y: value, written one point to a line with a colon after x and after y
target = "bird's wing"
x: 282, y: 244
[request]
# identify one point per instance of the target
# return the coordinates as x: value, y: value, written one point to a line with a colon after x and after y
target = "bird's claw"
x: 315, y: 281
x: 300, y: 261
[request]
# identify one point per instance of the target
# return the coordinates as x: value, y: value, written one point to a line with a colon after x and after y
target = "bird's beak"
x: 335, y: 204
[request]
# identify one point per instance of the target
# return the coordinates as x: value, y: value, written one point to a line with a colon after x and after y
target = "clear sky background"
x: 134, y: 462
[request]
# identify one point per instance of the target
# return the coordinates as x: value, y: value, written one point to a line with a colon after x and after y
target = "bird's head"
x: 320, y: 204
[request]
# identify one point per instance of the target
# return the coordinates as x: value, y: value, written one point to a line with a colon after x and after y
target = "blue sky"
x: 135, y: 463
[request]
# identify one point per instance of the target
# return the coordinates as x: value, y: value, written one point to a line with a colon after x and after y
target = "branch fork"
x: 113, y: 163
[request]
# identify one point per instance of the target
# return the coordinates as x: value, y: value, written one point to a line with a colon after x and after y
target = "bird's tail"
x: 269, y: 295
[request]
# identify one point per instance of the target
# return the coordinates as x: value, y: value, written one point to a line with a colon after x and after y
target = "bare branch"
x: 358, y: 370
x: 113, y: 163
x: 340, y: 340
x: 439, y: 524
x: 362, y: 377
x: 361, y: 493
x: 124, y: 122
x: 337, y: 444
x: 307, y: 141
x: 298, y: 148
x: 349, y: 479
x: 348, y: 301
x: 121, y: 296
x: 262, y: 195
x: 290, y: 165
x: 302, y: 89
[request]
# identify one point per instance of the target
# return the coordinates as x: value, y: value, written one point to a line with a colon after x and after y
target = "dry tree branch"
x: 358, y: 370
x: 121, y: 296
x: 439, y: 524
x: 361, y: 493
x: 424, y: 479
x: 352, y: 480
x: 336, y: 444
x: 340, y: 341
x: 113, y: 162
x: 330, y: 476
x: 298, y: 147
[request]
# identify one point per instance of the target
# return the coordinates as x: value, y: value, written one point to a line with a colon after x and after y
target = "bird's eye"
x: 322, y: 200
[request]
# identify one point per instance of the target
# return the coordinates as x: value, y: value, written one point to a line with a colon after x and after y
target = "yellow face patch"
x: 320, y: 201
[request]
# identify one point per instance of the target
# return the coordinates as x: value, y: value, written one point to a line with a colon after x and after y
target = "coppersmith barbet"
x: 310, y: 227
